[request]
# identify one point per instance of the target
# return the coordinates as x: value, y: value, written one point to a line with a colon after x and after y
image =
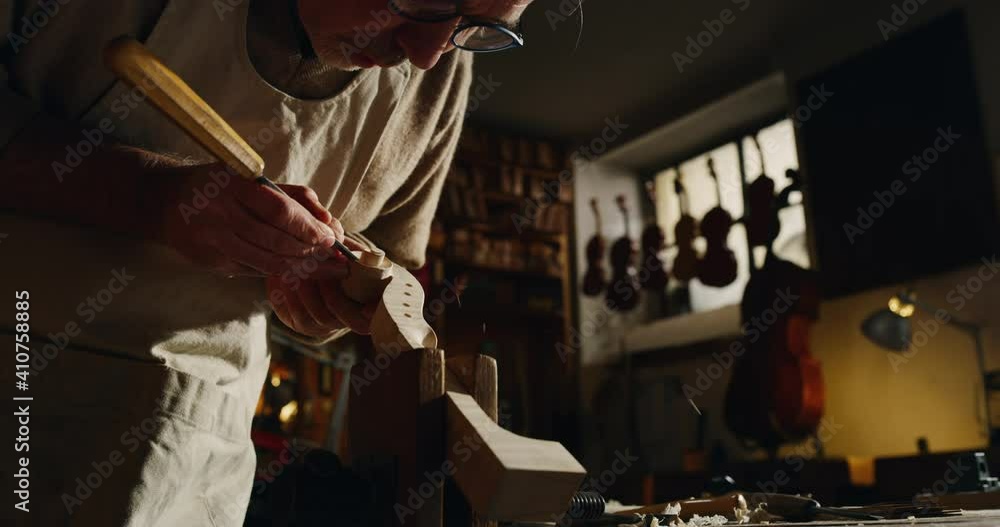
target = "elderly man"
x: 141, y: 275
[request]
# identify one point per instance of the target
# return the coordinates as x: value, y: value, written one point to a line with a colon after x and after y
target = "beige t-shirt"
x: 376, y: 153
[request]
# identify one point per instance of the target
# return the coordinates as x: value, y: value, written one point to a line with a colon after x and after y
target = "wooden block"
x: 505, y: 476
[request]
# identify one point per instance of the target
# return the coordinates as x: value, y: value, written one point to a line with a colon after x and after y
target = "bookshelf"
x: 503, y: 239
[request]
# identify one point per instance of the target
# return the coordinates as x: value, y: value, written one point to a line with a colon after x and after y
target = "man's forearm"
x: 114, y: 188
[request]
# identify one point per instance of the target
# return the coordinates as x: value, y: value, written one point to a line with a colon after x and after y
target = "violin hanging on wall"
x: 594, y: 280
x: 654, y: 241
x: 623, y: 292
x: 685, y: 231
x: 718, y: 267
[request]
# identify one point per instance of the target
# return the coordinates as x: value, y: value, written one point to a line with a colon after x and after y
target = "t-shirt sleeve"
x: 405, y: 231
x: 16, y: 110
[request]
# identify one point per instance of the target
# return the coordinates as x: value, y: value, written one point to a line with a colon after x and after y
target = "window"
x: 778, y: 144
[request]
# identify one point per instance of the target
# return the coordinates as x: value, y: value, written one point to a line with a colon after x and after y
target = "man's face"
x: 354, y: 34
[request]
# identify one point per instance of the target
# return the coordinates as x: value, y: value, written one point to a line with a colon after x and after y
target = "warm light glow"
x: 903, y: 309
x: 861, y: 470
x: 288, y: 412
x: 275, y: 380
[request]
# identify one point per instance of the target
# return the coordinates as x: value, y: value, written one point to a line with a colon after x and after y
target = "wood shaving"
x: 741, y: 512
x: 759, y: 515
x: 672, y: 508
x: 714, y: 520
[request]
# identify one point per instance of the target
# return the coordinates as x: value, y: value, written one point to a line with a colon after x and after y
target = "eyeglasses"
x: 471, y: 34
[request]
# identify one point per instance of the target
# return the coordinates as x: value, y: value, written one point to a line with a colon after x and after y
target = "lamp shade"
x: 888, y: 330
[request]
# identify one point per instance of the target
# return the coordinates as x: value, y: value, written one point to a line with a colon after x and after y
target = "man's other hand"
x: 318, y: 307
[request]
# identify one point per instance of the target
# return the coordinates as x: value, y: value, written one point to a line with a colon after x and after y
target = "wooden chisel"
x: 138, y: 67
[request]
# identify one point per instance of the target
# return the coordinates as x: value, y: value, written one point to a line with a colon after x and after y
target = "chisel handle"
x: 139, y: 68
x: 722, y: 505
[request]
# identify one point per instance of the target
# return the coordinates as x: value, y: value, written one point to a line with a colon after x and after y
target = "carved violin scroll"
x: 398, y: 323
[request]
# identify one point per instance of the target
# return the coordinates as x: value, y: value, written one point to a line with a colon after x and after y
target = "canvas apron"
x: 155, y: 431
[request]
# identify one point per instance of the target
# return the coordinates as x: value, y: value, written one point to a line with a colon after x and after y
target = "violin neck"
x: 715, y: 179
x: 624, y: 211
x: 760, y: 153
x: 597, y: 215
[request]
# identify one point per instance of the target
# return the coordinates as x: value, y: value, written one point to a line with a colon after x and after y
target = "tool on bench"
x: 421, y: 414
x: 722, y: 505
x: 733, y: 505
x: 135, y: 65
x: 803, y: 508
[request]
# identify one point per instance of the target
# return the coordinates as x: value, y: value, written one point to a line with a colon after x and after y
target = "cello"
x: 776, y: 393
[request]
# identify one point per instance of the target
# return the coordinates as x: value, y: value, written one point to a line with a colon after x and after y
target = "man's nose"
x: 425, y: 43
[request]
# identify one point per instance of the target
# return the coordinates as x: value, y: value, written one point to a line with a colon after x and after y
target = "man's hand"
x: 238, y: 227
x: 317, y: 307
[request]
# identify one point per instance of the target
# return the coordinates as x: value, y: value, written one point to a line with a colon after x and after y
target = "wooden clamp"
x: 423, y: 415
